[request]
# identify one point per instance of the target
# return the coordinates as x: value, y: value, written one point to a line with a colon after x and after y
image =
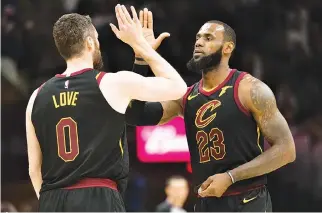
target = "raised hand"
x: 130, y: 30
x: 146, y: 19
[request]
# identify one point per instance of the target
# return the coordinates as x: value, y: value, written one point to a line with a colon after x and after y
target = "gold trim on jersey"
x: 258, y: 137
x: 98, y: 75
x: 120, y: 143
x: 130, y: 104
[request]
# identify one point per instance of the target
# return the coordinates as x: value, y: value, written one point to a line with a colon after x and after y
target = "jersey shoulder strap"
x: 238, y: 76
x: 99, y: 76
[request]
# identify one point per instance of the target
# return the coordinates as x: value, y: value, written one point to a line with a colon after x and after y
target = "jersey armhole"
x: 103, y: 91
x: 184, y: 99
x: 35, y: 94
x: 236, y: 97
x: 99, y: 77
x: 39, y: 88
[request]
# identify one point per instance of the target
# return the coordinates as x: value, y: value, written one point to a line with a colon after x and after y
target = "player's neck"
x: 77, y: 64
x: 215, y: 77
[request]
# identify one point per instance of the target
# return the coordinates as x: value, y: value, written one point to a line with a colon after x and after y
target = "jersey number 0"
x: 71, y: 126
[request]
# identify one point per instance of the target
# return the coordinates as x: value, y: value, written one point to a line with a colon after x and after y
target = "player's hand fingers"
x: 206, y: 193
x: 121, y: 15
x: 141, y: 18
x: 126, y: 14
x: 115, y: 30
x: 135, y: 15
x: 161, y: 37
x: 150, y: 20
x: 145, y: 18
x: 205, y: 184
x: 118, y: 17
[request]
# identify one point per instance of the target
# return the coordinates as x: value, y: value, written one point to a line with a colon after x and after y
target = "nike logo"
x: 248, y: 200
x: 190, y: 97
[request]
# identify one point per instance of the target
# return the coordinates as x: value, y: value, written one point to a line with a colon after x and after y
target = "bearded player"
x: 78, y: 157
x: 227, y: 115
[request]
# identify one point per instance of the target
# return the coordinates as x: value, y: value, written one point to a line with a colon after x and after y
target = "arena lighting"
x: 165, y: 143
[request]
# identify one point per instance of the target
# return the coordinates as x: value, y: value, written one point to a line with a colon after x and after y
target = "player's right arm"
x: 142, y: 113
x: 120, y: 88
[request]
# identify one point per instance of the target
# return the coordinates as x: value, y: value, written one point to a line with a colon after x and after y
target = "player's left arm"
x: 258, y: 98
x: 34, y: 151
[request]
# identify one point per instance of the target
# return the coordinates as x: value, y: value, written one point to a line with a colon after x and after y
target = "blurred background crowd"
x: 278, y: 42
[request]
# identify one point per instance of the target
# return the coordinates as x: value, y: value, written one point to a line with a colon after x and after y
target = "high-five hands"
x: 130, y: 30
x: 146, y: 20
x: 133, y: 30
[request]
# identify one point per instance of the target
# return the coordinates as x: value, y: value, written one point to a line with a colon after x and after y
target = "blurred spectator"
x: 177, y: 191
x: 29, y: 206
x: 297, y: 28
x: 7, y: 207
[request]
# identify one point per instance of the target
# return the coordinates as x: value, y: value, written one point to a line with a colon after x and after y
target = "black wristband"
x: 139, y: 59
x: 141, y: 113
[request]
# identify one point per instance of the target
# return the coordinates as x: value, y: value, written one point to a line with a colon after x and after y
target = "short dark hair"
x: 229, y: 34
x: 70, y: 32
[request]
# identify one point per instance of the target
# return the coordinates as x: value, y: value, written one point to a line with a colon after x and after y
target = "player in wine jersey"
x: 78, y: 157
x: 227, y: 114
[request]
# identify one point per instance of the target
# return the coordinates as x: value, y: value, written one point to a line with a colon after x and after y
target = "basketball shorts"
x: 257, y: 200
x: 82, y: 199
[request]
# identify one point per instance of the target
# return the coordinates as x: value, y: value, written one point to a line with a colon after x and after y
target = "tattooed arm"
x: 260, y: 101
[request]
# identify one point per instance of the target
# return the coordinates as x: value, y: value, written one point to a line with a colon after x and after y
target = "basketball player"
x: 227, y: 114
x: 177, y: 191
x: 78, y: 159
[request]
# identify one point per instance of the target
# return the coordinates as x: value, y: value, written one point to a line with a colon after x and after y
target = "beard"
x: 97, y: 59
x: 205, y: 64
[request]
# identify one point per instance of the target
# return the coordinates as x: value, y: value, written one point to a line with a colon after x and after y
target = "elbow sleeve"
x: 141, y: 113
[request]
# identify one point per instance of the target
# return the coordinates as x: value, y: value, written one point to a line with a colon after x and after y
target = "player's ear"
x: 90, y: 43
x: 228, y: 47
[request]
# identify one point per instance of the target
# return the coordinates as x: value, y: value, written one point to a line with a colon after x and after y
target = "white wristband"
x: 231, y: 177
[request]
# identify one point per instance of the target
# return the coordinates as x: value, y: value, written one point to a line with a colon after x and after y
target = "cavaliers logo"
x: 202, y: 122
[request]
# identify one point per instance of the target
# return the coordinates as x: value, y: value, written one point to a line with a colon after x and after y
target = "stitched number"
x: 67, y: 127
x: 217, y: 149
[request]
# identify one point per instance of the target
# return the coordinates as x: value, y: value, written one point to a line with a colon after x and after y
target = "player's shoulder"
x: 119, y: 76
x: 119, y: 83
x: 255, y: 92
x: 122, y: 79
x: 250, y: 83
